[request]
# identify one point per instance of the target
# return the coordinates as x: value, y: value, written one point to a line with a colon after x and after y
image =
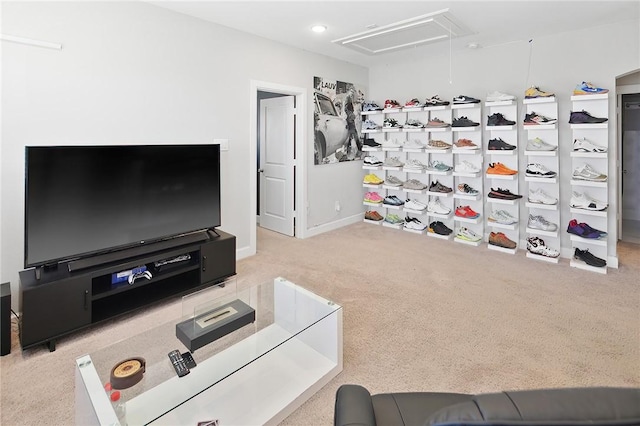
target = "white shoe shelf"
x: 548, y: 133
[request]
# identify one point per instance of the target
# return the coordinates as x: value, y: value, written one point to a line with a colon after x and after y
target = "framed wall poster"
x: 337, y: 121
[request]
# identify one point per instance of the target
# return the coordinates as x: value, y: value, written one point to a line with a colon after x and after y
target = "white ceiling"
x: 491, y: 22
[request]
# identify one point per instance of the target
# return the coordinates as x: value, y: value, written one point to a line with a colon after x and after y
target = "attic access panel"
x: 420, y: 30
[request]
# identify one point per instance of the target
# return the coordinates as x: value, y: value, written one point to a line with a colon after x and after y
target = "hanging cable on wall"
x: 450, y: 55
x: 527, y: 82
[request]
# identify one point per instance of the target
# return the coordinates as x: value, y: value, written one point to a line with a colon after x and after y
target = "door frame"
x: 300, y: 162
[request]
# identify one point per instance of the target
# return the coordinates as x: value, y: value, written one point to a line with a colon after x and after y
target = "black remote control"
x: 178, y: 363
x: 188, y: 360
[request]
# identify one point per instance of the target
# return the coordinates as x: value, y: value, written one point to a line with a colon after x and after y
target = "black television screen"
x: 85, y: 200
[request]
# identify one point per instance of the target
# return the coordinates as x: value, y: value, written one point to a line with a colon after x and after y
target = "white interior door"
x: 277, y: 140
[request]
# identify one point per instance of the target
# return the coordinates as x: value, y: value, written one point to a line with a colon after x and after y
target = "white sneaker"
x: 536, y: 245
x: 538, y: 196
x: 586, y: 172
x: 414, y: 224
x: 539, y: 222
x: 372, y: 160
x: 413, y: 164
x: 393, y: 162
x: 585, y: 202
x: 468, y: 235
x: 538, y: 144
x: 414, y: 205
x: 435, y: 206
x: 538, y: 170
x: 414, y: 144
x: 584, y: 145
x: 498, y: 96
x: 391, y: 143
x: 467, y: 167
x: 503, y: 217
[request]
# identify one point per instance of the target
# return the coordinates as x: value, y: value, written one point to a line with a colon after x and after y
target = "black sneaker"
x: 463, y: 122
x: 583, y: 117
x: 371, y: 142
x: 498, y: 119
x: 588, y: 258
x: 503, y: 194
x: 498, y: 144
x: 439, y: 228
x: 438, y: 187
x: 465, y: 100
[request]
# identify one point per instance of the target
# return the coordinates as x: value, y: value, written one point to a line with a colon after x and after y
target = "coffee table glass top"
x: 282, y: 311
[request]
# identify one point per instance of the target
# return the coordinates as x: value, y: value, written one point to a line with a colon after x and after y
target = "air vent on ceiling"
x: 424, y: 29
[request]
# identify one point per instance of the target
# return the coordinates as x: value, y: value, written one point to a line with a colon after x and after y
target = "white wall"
x: 134, y: 73
x: 558, y: 63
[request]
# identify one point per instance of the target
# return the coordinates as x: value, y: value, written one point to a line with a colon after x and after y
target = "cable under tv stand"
x: 63, y: 300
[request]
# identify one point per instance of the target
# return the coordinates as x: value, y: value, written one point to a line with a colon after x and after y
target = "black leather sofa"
x: 598, y: 406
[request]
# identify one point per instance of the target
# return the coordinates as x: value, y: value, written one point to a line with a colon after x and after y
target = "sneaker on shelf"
x: 370, y: 125
x: 391, y: 123
x: 585, y: 231
x: 537, y: 119
x: 413, y: 204
x: 467, y: 167
x: 413, y: 103
x: 438, y: 187
x: 372, y: 179
x: 413, y: 123
x: 414, y: 184
x: 535, y: 92
x: 499, y: 96
x: 373, y: 215
x: 371, y: 142
x: 583, y: 117
x: 537, y: 246
x: 413, y: 164
x: 392, y: 104
x: 538, y: 144
x: 414, y: 144
x: 497, y: 119
x: 393, y: 181
x: 436, y: 122
x: 586, y: 88
x: 589, y: 258
x: 392, y: 200
x: 373, y: 197
x: 393, y: 219
x: 585, y: 202
x: 372, y: 160
x: 583, y: 145
x: 438, y: 144
x: 501, y: 240
x: 435, y: 101
x: 439, y: 228
x: 462, y: 99
x: 503, y: 194
x: 371, y: 106
x: 539, y: 196
x: 391, y: 143
x: 414, y: 224
x: 465, y: 189
x: 463, y: 122
x: 463, y: 143
x: 438, y: 166
x: 586, y: 172
x: 467, y: 234
x: 435, y: 206
x: 392, y: 162
x: 538, y: 170
x: 497, y: 144
x: 500, y: 169
x: 540, y: 223
x: 466, y: 212
x: 503, y: 217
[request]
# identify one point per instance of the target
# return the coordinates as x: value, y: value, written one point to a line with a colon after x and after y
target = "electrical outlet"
x: 338, y: 206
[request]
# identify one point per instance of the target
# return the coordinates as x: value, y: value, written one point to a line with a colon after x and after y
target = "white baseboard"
x: 321, y: 229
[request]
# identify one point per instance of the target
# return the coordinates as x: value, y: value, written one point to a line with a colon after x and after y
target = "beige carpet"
x: 419, y: 314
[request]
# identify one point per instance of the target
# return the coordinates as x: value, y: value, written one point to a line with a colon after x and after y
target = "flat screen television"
x: 81, y: 201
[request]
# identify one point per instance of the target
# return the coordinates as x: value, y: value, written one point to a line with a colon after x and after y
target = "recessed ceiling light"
x: 318, y: 28
x: 473, y: 45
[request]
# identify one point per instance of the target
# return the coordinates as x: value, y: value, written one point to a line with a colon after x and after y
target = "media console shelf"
x: 61, y: 302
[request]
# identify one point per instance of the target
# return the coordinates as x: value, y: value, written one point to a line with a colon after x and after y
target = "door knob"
x: 260, y: 170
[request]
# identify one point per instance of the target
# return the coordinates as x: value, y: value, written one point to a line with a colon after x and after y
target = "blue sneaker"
x: 588, y: 89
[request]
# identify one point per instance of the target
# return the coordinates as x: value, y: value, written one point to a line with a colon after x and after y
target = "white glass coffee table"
x: 257, y: 374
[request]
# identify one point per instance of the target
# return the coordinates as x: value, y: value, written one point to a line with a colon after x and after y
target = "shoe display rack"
x: 463, y: 174
x: 541, y: 138
x: 509, y: 158
x: 595, y: 133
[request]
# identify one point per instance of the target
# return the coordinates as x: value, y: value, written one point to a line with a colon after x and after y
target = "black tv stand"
x: 58, y: 301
